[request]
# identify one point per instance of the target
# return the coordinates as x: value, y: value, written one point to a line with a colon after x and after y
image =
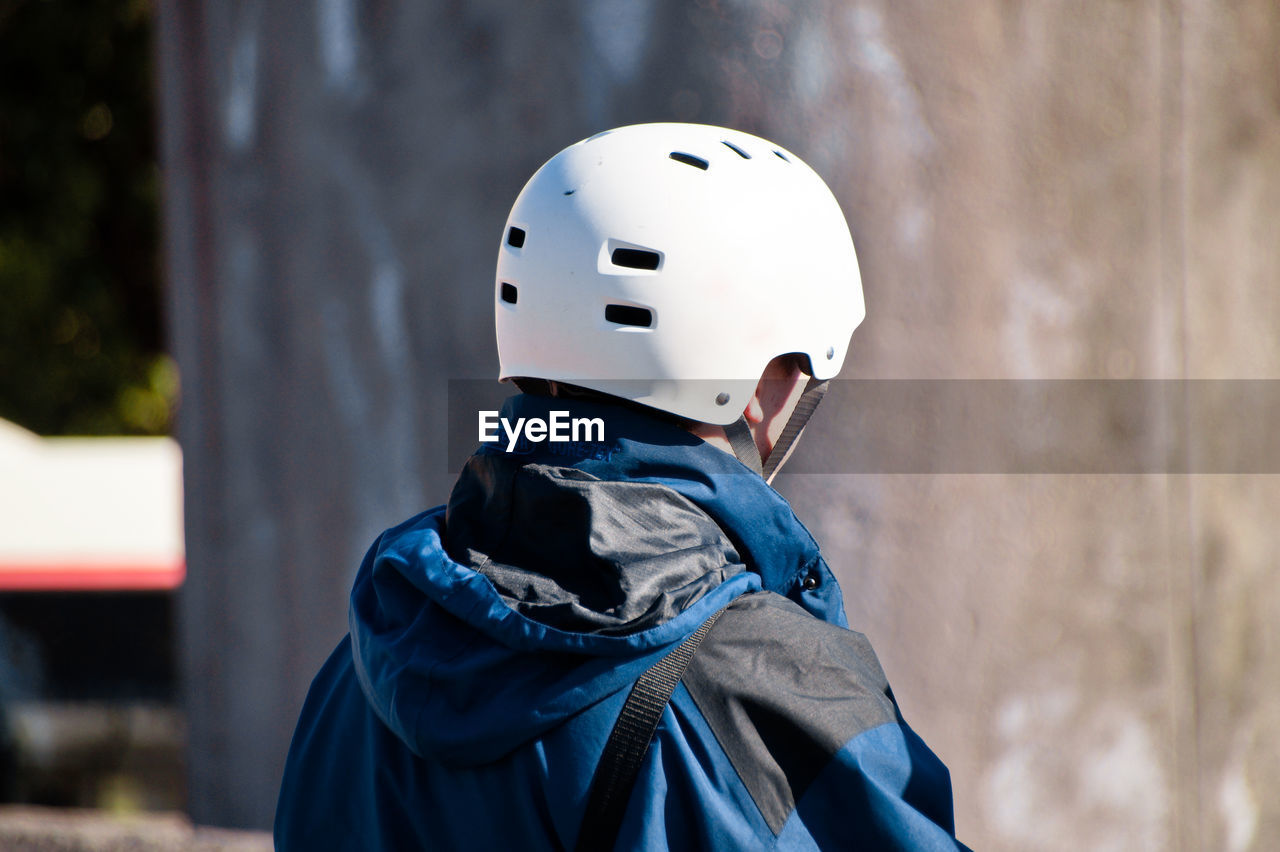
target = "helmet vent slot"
x: 629, y: 315
x: 735, y: 149
x: 782, y: 156
x: 689, y: 160
x: 508, y: 293
x: 635, y: 258
x: 515, y: 237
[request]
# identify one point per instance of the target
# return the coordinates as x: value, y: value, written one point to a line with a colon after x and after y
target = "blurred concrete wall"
x: 1038, y: 191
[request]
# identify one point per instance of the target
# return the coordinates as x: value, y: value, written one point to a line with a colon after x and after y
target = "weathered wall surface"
x: 1073, y: 191
x: 1038, y: 192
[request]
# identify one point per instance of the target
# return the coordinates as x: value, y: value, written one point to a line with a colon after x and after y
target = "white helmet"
x: 669, y: 263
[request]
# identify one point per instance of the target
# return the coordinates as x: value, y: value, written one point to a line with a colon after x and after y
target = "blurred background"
x: 246, y: 246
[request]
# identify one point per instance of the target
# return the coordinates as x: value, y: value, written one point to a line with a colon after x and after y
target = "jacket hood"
x: 558, y: 573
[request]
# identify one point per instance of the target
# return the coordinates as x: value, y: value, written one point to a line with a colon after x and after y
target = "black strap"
x: 629, y: 743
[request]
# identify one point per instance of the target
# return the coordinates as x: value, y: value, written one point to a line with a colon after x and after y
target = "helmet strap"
x: 744, y: 443
x: 809, y: 399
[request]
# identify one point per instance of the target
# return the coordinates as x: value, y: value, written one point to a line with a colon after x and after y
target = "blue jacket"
x: 493, y: 642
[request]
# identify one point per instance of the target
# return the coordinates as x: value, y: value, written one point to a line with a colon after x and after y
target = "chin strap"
x: 809, y: 399
x: 744, y: 443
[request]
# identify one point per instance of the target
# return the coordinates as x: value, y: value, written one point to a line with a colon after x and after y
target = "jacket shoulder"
x: 783, y: 692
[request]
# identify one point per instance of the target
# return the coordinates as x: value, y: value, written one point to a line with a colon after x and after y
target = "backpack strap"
x: 629, y: 743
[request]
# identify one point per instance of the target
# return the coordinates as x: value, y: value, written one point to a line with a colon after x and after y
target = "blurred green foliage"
x: 81, y: 342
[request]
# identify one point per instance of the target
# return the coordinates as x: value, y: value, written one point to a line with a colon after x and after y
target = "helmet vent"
x: 782, y: 156
x: 635, y: 258
x: 629, y: 315
x: 735, y: 149
x: 515, y: 237
x: 689, y: 160
x: 508, y: 293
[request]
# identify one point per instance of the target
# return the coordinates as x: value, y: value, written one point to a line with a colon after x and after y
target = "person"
x: 682, y: 293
